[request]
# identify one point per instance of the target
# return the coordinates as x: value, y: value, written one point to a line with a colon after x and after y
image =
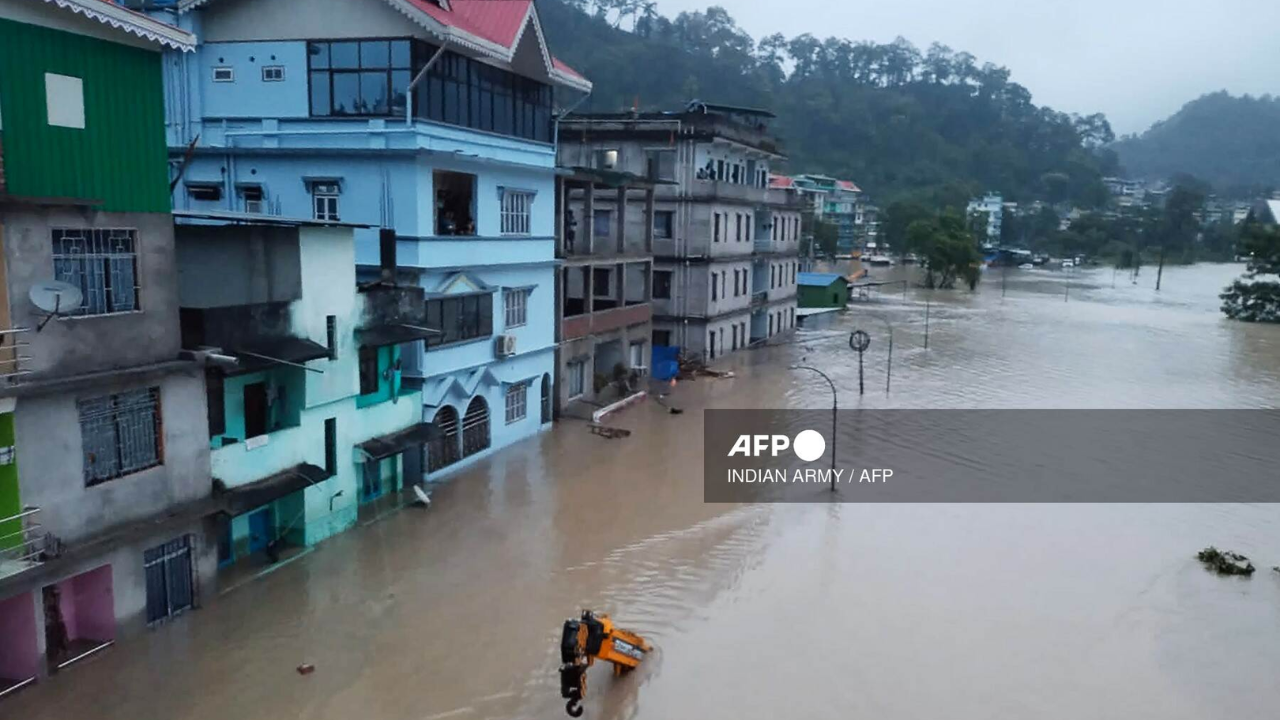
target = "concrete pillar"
x: 587, y: 242
x: 622, y: 220
x: 648, y: 225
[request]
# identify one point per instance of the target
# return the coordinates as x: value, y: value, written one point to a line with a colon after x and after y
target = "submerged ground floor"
x: 957, y: 610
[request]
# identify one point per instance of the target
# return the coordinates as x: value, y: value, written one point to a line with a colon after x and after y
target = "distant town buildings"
x: 989, y: 209
x: 726, y: 244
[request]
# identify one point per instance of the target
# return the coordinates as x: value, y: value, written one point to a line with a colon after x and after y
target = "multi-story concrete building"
x: 311, y: 423
x: 841, y: 207
x: 726, y: 247
x: 431, y: 119
x: 989, y: 211
x: 607, y: 231
x: 104, y: 457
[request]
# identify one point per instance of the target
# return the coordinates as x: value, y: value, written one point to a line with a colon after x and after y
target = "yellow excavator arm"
x: 594, y: 637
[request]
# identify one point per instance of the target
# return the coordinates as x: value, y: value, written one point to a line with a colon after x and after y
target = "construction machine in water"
x: 594, y: 637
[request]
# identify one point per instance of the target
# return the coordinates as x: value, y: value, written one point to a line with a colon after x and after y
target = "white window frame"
x: 515, y: 307
x: 517, y: 211
x: 224, y: 74
x: 268, y: 71
x: 329, y: 193
x: 517, y: 402
x: 255, y: 207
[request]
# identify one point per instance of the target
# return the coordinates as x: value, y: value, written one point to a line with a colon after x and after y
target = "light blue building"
x: 429, y: 119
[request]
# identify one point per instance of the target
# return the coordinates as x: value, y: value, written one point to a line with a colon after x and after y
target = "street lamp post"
x: 835, y: 406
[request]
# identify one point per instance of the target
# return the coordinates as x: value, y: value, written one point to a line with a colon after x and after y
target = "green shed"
x: 822, y: 290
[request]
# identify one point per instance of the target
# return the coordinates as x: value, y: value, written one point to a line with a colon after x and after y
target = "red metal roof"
x: 564, y: 68
x: 781, y: 182
x: 847, y: 185
x: 498, y: 21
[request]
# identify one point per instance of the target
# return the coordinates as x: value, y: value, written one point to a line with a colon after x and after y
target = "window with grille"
x: 324, y: 198
x: 120, y: 434
x: 515, y: 212
x: 103, y: 264
x: 272, y: 73
x: 516, y: 306
x: 517, y: 398
x: 475, y: 427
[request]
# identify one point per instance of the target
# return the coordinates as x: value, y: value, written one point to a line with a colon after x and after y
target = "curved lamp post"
x: 835, y: 406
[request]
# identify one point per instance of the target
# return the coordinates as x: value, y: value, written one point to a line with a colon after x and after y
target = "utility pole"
x: 835, y: 410
x: 1160, y: 269
x: 926, y: 324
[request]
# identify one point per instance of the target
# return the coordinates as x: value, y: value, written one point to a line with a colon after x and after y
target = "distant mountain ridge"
x: 1231, y: 142
x: 935, y: 125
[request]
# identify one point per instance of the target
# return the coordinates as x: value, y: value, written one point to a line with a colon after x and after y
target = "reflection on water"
x: 835, y: 611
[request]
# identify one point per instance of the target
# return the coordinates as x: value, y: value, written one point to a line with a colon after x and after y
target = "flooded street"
x: 822, y: 611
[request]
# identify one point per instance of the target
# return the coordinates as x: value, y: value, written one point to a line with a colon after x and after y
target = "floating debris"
x: 306, y: 669
x: 1225, y: 563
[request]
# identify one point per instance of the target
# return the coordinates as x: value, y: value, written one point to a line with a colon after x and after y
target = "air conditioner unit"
x: 505, y: 346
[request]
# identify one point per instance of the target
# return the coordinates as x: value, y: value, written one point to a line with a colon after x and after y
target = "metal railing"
x: 12, y: 360
x: 24, y: 548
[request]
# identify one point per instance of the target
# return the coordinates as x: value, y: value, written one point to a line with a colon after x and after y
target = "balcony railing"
x: 23, y: 542
x: 13, y: 363
x: 760, y: 298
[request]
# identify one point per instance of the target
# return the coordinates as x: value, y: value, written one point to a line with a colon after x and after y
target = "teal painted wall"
x: 120, y: 156
x: 10, y: 497
x: 387, y: 387
x: 285, y: 412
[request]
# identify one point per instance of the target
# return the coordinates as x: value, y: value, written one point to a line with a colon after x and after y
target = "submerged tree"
x: 947, y: 248
x: 1250, y: 298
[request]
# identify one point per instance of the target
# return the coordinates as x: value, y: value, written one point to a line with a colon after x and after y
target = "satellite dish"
x: 55, y: 298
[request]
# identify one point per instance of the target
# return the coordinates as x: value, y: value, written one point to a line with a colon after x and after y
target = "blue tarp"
x: 665, y: 362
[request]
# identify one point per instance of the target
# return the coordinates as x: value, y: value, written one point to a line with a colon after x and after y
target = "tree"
x: 897, y: 219
x: 1252, y: 299
x: 947, y: 248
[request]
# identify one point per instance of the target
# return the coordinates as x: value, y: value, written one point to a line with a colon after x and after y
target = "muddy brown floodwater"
x: 807, y: 611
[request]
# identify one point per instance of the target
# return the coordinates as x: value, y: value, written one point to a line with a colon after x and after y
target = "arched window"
x: 475, y: 427
x: 442, y: 448
x: 546, y: 399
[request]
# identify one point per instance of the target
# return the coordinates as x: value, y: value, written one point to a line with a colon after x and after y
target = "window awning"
x: 385, y: 446
x: 265, y: 353
x: 393, y: 334
x: 242, y: 499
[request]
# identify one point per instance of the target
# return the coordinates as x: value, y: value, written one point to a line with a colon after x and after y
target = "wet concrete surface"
x: 824, y: 611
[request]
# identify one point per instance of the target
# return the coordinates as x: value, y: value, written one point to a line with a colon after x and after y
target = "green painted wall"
x: 10, y: 498
x: 835, y: 295
x: 120, y: 156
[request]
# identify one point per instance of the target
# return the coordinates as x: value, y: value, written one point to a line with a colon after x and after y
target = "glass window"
x: 344, y: 55
x: 320, y: 93
x: 373, y: 94
x: 461, y: 318
x: 662, y: 284
x: 517, y: 397
x: 103, y: 264
x: 120, y: 434
x: 516, y: 307
x: 375, y: 53
x: 346, y: 94
x: 601, y: 223
x: 516, y: 211
x: 577, y: 376
x: 664, y: 224
x: 318, y: 55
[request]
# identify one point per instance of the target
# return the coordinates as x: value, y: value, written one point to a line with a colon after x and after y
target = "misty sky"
x: 1138, y: 61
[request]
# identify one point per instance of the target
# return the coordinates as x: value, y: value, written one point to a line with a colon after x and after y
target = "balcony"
x: 760, y: 297
x: 242, y: 463
x: 605, y: 321
x: 22, y: 543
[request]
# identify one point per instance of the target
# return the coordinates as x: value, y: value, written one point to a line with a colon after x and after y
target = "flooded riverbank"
x: 826, y: 611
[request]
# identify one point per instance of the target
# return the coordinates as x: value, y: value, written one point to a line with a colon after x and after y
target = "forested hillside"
x: 938, y: 125
x: 1233, y: 143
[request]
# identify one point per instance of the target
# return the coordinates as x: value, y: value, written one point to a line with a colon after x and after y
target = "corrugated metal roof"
x: 818, y: 279
x: 497, y: 22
